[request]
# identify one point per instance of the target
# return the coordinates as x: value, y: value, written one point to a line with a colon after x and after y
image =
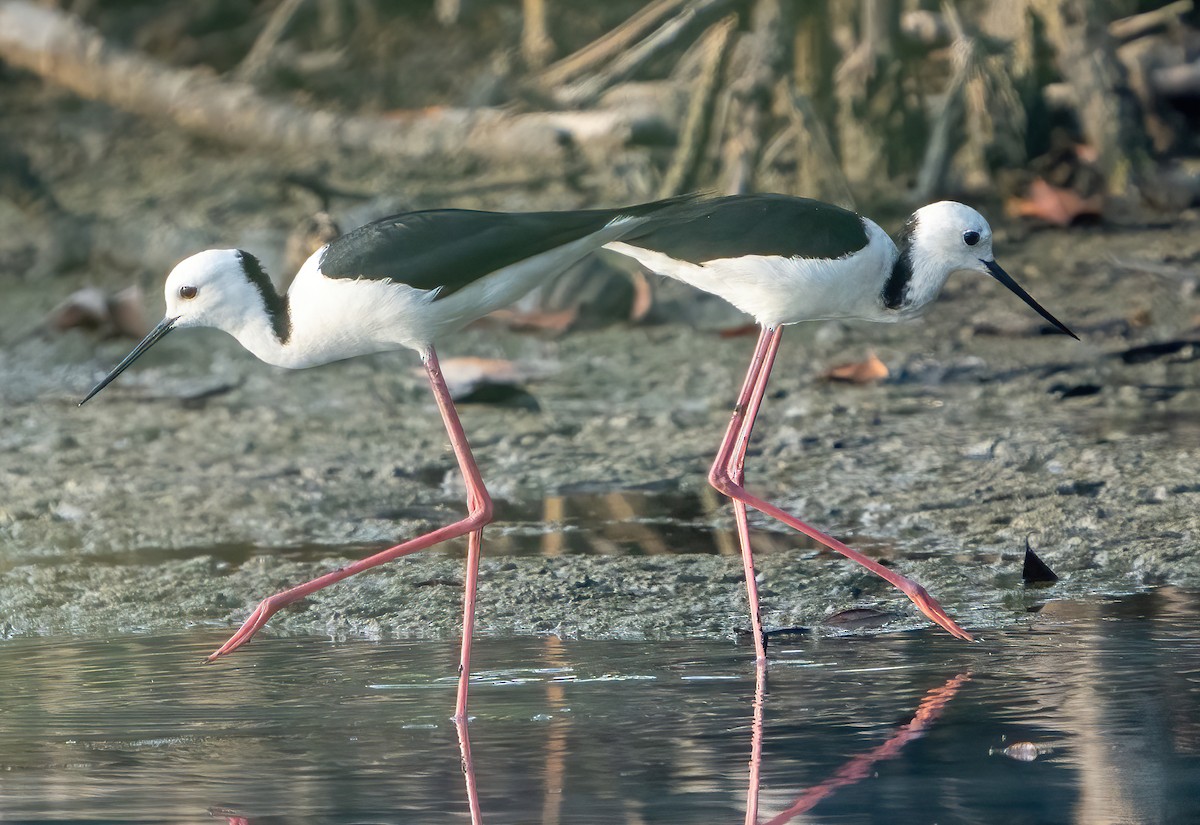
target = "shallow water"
x: 913, y: 727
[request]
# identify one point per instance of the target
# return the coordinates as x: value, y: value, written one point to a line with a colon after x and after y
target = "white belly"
x: 778, y: 291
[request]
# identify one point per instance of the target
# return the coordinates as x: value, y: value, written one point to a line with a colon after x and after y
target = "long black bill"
x: 164, y: 326
x: 1006, y: 279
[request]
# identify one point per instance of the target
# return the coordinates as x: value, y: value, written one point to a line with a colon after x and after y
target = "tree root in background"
x: 850, y: 102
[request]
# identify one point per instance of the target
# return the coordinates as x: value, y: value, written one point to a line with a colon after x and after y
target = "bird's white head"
x: 213, y: 288
x: 951, y: 237
x: 222, y: 288
x: 939, y: 240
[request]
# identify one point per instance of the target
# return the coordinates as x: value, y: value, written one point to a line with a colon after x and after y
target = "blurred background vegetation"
x: 135, y: 132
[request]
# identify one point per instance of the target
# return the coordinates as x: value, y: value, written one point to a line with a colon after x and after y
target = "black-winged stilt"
x: 399, y: 282
x: 784, y: 260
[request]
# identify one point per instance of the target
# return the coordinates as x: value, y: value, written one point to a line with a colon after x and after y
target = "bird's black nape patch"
x: 896, y: 288
x: 275, y: 305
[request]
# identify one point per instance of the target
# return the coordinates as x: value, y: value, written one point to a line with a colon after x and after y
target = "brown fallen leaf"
x: 643, y: 296
x: 1140, y: 317
x: 91, y: 308
x: 125, y: 310
x: 86, y: 308
x: 1055, y: 205
x: 534, y: 321
x: 858, y: 372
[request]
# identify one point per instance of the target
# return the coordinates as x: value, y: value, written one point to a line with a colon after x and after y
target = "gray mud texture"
x: 203, y: 480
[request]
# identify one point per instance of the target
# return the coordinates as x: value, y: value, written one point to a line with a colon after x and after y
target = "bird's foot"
x: 261, y: 615
x: 929, y: 606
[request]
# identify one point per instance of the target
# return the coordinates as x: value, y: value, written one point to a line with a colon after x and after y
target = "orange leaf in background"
x: 116, y: 315
x: 559, y: 321
x: 1053, y: 204
x: 87, y: 308
x: 858, y: 372
x: 643, y: 297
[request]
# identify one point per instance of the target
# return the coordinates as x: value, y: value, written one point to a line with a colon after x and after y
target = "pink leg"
x: 479, y: 513
x: 756, y: 741
x: 468, y: 769
x: 736, y: 426
x: 727, y: 476
x: 471, y: 583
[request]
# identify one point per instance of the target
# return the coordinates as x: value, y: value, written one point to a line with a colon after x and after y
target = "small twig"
x: 256, y: 61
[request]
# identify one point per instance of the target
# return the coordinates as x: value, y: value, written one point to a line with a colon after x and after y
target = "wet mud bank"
x: 119, y: 515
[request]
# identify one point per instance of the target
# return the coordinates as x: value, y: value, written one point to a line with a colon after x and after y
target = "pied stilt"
x: 399, y: 282
x: 785, y: 260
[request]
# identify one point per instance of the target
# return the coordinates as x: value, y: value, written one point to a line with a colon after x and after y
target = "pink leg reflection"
x: 859, y: 767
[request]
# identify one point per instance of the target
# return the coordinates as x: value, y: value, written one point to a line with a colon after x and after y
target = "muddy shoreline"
x: 987, y: 433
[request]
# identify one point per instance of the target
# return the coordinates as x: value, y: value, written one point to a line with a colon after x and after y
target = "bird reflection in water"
x: 855, y: 769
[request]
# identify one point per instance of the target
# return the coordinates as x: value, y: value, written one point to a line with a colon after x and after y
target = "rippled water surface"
x: 1090, y: 714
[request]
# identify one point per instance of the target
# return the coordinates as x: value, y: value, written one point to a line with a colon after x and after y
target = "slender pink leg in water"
x: 479, y: 513
x: 727, y: 476
x: 739, y: 509
x: 468, y: 769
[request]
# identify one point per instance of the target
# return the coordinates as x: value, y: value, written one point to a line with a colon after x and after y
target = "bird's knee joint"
x: 721, y: 482
x: 482, y: 513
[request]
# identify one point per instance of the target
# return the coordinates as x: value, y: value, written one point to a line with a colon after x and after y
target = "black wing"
x: 739, y: 225
x: 448, y: 249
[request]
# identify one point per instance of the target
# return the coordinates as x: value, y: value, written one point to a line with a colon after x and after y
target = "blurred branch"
x: 536, y: 45
x: 613, y: 43
x: 694, y: 15
x: 1134, y: 26
x: 63, y: 50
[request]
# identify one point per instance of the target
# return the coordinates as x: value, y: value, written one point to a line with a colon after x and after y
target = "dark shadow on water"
x: 1090, y: 714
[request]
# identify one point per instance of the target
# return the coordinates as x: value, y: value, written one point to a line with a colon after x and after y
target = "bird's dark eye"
x: 188, y: 292
x: 970, y: 237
